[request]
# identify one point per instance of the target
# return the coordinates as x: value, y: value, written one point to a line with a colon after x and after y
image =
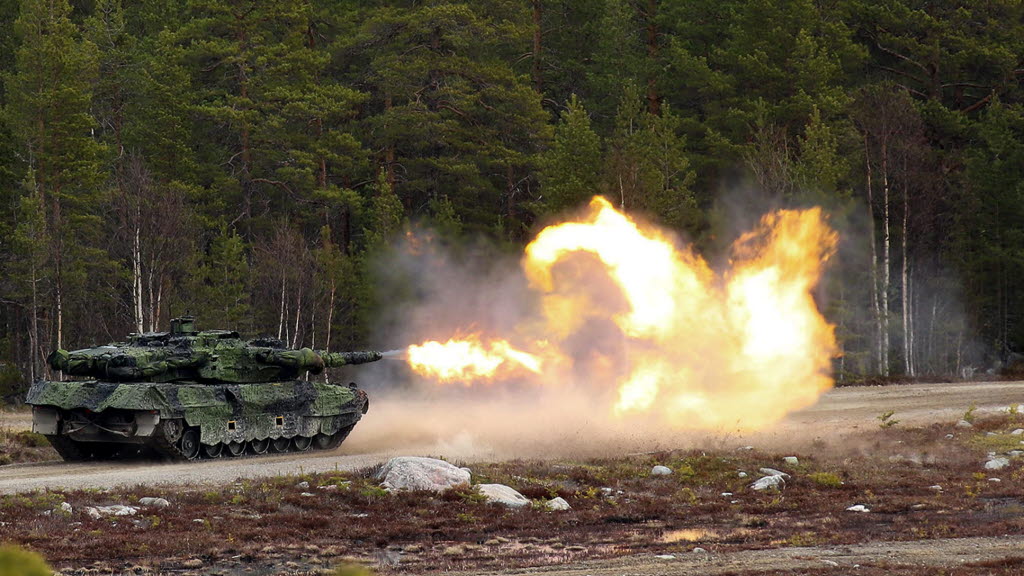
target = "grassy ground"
x: 618, y: 508
x: 23, y: 446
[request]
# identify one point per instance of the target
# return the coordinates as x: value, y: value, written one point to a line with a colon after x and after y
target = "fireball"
x: 694, y: 348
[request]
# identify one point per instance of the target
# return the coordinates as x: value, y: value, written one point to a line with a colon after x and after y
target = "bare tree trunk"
x: 886, y: 258
x: 653, y: 103
x: 137, y: 275
x: 874, y: 261
x: 330, y: 321
x: 312, y: 327
x: 280, y: 322
x: 538, y: 80
x: 34, y: 355
x: 159, y: 300
x: 908, y: 350
x: 298, y: 315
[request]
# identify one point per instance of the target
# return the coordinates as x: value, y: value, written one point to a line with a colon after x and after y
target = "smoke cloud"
x: 644, y: 347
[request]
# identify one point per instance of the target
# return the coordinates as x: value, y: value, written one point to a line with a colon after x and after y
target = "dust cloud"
x: 619, y: 376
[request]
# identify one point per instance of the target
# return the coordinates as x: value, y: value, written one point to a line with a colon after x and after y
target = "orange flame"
x: 469, y: 359
x: 697, y: 349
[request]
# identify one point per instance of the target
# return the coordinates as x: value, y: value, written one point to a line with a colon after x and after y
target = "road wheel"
x: 188, y: 445
x: 235, y: 448
x: 332, y: 441
x: 280, y: 444
x: 213, y: 450
x: 302, y: 443
x: 259, y: 446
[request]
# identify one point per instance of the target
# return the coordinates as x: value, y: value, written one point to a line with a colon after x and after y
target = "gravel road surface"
x: 843, y: 410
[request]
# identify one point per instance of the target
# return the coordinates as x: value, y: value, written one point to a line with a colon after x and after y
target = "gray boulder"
x: 769, y: 482
x: 557, y: 504
x: 997, y: 463
x: 416, y: 473
x: 661, y: 471
x: 503, y: 495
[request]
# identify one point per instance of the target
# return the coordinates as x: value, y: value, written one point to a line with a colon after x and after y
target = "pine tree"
x: 48, y: 100
x: 571, y: 168
x: 221, y: 296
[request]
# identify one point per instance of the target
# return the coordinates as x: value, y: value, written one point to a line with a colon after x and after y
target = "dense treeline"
x: 245, y: 160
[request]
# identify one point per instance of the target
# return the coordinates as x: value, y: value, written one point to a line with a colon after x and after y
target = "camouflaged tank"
x: 187, y: 394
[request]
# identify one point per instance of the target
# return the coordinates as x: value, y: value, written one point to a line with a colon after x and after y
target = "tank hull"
x: 97, y: 419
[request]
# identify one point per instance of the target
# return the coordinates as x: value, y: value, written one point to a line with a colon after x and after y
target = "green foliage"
x: 825, y: 479
x: 134, y: 134
x: 571, y: 167
x: 969, y: 414
x: 222, y: 296
x: 352, y: 570
x: 16, y: 561
x: 886, y: 420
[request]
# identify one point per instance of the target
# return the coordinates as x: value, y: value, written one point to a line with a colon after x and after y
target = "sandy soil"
x: 840, y: 411
x: 15, y: 420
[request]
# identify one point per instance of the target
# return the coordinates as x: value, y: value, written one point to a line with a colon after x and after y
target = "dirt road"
x: 936, y: 553
x: 843, y: 410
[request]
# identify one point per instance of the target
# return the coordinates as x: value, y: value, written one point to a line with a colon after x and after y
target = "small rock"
x: 661, y: 471
x: 858, y: 508
x: 830, y: 563
x: 1017, y: 432
x: 791, y: 460
x: 199, y: 521
x: 699, y: 550
x: 990, y: 433
x: 726, y: 494
x: 935, y: 487
x: 502, y: 495
x: 918, y: 506
x: 328, y: 488
x: 665, y: 557
x: 557, y: 504
x: 66, y: 508
x: 302, y: 485
x: 192, y: 563
x: 949, y: 436
x: 774, y: 472
x: 994, y: 480
x: 964, y: 424
x: 1015, y: 453
x: 741, y: 475
x: 154, y: 502
x: 97, y: 512
x: 769, y: 482
x: 746, y: 448
x: 997, y: 463
x: 417, y: 473
x: 307, y: 494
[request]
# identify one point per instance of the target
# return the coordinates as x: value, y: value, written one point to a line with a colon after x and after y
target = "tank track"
x: 164, y: 446
x: 74, y: 451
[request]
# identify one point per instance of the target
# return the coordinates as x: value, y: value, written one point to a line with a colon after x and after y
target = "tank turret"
x: 188, y: 393
x: 185, y: 354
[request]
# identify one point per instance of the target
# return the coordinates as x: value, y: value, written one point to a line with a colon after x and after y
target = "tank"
x: 188, y: 394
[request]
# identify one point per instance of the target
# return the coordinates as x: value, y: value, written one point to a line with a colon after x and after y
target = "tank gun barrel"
x: 335, y: 359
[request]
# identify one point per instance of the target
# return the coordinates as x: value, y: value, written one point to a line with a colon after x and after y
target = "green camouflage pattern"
x: 223, y: 413
x: 225, y: 390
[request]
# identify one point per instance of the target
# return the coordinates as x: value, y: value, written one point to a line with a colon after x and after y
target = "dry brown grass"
x: 24, y: 446
x: 617, y: 509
